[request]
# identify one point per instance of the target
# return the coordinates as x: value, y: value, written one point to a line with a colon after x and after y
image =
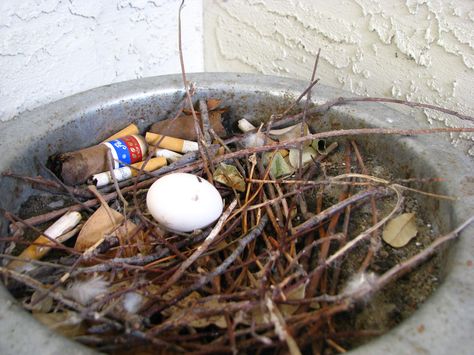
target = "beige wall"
x: 419, y: 50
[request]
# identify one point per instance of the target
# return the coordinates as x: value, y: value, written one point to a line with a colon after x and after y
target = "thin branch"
x: 201, y: 249
x: 203, y: 280
x: 345, y: 100
x: 201, y: 144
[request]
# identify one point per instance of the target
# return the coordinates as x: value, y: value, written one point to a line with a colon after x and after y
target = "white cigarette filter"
x: 124, y: 173
x: 171, y: 143
x: 245, y: 125
x: 168, y: 154
x: 256, y: 139
x: 36, y: 251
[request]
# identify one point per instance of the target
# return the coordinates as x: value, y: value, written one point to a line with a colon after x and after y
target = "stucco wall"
x: 50, y: 49
x: 420, y: 50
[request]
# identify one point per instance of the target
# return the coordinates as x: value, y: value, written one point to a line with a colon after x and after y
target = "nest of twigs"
x: 294, y: 264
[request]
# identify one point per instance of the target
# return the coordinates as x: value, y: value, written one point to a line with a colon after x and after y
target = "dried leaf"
x: 261, y: 316
x: 218, y: 321
x: 400, y: 230
x: 267, y: 156
x: 295, y: 294
x: 133, y: 240
x: 182, y: 309
x: 280, y: 167
x: 288, y: 133
x: 45, y: 304
x: 229, y: 176
x: 66, y: 323
x: 212, y: 104
x: 308, y: 154
x: 102, y: 222
x: 319, y: 145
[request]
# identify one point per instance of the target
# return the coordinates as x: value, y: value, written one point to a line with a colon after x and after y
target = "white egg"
x: 184, y: 202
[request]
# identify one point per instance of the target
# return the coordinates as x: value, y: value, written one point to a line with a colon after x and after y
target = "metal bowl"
x: 447, y: 318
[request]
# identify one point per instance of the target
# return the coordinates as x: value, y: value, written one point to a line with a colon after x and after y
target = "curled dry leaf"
x: 40, y: 303
x: 319, y: 145
x: 183, y: 126
x: 66, y: 323
x: 133, y: 240
x: 180, y: 311
x: 297, y: 293
x: 280, y: 167
x: 212, y: 104
x: 103, y: 221
x: 260, y: 315
x: 291, y: 132
x: 229, y: 176
x: 400, y: 230
x: 267, y: 157
x: 308, y: 154
x: 106, y: 221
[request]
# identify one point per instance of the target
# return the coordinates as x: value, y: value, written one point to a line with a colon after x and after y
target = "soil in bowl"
x: 276, y: 274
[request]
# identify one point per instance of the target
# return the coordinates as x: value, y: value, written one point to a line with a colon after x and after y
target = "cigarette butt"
x: 168, y: 154
x: 171, y: 143
x: 127, y: 131
x: 36, y: 252
x: 245, y: 126
x: 124, y: 173
x: 152, y: 164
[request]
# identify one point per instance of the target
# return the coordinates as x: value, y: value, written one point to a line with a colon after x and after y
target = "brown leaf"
x: 41, y: 303
x: 308, y: 154
x: 297, y: 293
x: 229, y: 176
x: 66, y: 323
x: 181, y: 311
x: 319, y: 145
x: 261, y: 316
x: 291, y: 132
x: 400, y: 230
x: 212, y: 104
x: 183, y: 126
x: 133, y: 240
x: 280, y: 167
x: 102, y: 222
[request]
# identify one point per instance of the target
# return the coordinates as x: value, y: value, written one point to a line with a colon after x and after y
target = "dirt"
x: 402, y: 298
x: 387, y: 308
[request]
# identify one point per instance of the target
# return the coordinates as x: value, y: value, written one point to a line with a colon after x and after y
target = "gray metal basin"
x: 86, y: 118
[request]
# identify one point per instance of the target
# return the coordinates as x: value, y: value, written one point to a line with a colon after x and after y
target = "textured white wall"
x: 420, y: 50
x: 50, y: 49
